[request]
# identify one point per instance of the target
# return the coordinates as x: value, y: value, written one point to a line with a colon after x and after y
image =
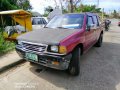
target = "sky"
x: 108, y: 5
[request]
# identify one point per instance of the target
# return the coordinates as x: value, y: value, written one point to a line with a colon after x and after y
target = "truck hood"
x: 46, y: 35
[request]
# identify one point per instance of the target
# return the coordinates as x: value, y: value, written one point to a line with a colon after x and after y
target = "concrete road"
x: 100, y: 70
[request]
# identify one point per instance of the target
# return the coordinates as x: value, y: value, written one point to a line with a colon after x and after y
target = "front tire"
x: 74, y: 66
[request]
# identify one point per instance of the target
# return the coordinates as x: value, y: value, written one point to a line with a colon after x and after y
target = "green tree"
x: 14, y: 4
x: 72, y: 4
x: 10, y: 5
x: 88, y: 8
x: 115, y: 14
x: 47, y: 10
x: 85, y: 8
x: 7, y: 5
x: 24, y: 4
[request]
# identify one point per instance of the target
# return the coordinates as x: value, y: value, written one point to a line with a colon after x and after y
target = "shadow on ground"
x: 100, y: 70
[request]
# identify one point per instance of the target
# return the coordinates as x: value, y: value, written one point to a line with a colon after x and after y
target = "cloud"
x: 39, y: 5
x: 106, y: 4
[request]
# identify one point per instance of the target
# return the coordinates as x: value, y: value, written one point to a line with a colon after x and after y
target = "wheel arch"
x: 101, y: 32
x: 80, y: 45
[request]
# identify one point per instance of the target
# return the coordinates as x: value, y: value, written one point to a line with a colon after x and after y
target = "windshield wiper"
x: 62, y: 27
x: 45, y: 27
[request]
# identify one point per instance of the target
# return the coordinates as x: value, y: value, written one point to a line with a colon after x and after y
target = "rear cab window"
x: 89, y: 21
x: 96, y: 22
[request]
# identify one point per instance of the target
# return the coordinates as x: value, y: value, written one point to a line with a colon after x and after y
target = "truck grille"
x: 34, y: 47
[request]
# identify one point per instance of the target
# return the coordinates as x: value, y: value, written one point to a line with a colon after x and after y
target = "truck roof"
x: 87, y: 13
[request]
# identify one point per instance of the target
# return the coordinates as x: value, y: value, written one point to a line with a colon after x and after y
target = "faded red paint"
x: 86, y: 38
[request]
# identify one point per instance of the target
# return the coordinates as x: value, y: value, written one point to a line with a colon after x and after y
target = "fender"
x: 73, y: 40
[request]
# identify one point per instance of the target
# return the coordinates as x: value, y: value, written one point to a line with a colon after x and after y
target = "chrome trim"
x: 48, y: 53
x: 34, y: 43
x: 63, y: 65
x: 38, y: 44
x: 45, y: 52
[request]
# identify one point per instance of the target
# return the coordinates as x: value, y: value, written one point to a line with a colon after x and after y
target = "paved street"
x: 100, y: 70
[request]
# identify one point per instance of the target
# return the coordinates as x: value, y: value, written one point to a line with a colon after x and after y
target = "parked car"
x: 19, y: 24
x: 39, y: 22
x: 61, y: 43
x: 119, y: 23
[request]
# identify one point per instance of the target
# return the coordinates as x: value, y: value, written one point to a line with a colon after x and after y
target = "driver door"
x: 90, y: 36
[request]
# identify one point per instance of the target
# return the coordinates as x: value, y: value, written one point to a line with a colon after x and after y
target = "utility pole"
x: 102, y: 14
x: 55, y: 2
x: 61, y: 5
x: 97, y: 3
x: 71, y: 6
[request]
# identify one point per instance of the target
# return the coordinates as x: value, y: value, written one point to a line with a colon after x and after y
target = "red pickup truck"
x: 62, y: 41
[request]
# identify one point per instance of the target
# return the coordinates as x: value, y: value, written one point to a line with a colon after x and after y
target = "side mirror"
x: 91, y: 26
x: 88, y: 28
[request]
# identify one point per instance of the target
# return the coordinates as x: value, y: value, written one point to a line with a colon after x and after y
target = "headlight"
x: 54, y: 48
x: 58, y: 49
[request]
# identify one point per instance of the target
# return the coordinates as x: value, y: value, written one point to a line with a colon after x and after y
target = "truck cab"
x: 62, y: 41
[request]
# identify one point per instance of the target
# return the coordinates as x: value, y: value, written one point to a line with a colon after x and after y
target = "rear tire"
x: 100, y: 40
x: 74, y: 66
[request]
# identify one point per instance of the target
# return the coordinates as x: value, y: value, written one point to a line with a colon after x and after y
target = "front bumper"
x: 60, y: 62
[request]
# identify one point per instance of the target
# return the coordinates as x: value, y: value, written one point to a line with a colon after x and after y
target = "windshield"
x: 70, y: 21
x: 38, y: 21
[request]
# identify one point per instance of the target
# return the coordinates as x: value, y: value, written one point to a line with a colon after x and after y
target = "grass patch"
x: 5, y: 46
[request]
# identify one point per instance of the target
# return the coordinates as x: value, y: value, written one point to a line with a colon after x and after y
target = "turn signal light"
x: 55, y: 63
x: 62, y: 50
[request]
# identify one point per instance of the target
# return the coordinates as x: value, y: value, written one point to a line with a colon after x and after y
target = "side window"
x: 44, y: 21
x: 99, y: 20
x: 33, y: 22
x: 96, y: 20
x: 40, y: 21
x: 89, y: 21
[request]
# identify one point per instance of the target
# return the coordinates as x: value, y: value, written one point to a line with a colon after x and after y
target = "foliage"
x: 45, y: 15
x: 71, y: 4
x: 24, y: 4
x: 115, y: 14
x: 7, y: 5
x: 14, y: 4
x: 5, y: 46
x: 48, y: 9
x: 85, y: 8
x: 88, y: 8
x: 65, y: 11
x: 10, y: 5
